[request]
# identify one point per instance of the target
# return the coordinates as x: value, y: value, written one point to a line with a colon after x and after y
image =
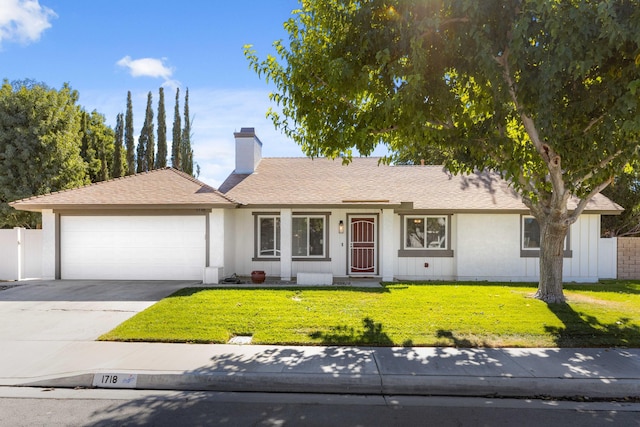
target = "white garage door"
x: 132, y: 247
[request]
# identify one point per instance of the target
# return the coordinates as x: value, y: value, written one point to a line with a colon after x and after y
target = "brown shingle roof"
x: 162, y: 188
x: 364, y: 182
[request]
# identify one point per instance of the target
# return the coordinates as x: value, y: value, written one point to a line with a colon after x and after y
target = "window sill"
x: 277, y: 259
x: 425, y: 253
x: 535, y: 253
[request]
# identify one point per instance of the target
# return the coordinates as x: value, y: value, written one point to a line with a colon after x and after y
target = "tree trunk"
x: 552, y: 238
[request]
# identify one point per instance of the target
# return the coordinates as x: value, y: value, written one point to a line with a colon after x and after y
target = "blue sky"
x: 104, y: 48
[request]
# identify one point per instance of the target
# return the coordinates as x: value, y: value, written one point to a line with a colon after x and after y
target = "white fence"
x: 608, y: 258
x: 20, y: 254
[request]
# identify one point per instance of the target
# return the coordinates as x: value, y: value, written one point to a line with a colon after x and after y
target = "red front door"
x: 362, y: 245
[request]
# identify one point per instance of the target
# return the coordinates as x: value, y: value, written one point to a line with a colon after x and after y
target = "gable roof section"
x: 305, y: 182
x: 165, y: 188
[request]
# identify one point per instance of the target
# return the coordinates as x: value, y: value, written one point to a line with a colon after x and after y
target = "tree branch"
x: 550, y: 157
x: 386, y: 130
x: 585, y: 200
x: 444, y: 23
x: 527, y: 121
x: 600, y: 165
x: 592, y: 123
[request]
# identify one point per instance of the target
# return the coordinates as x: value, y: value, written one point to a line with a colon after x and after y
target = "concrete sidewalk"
x: 557, y: 373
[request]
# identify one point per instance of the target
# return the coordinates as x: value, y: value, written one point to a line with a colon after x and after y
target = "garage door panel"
x: 132, y: 248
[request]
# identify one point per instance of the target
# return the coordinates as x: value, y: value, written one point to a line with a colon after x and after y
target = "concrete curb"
x: 462, y: 386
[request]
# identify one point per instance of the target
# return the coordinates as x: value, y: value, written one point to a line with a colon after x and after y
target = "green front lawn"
x: 433, y: 314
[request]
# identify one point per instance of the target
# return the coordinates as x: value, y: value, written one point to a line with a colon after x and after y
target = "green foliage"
x: 398, y: 314
x: 161, y: 158
x: 625, y: 191
x: 186, y: 155
x: 176, y: 146
x: 146, y: 144
x: 129, y: 140
x: 119, y: 159
x: 97, y: 147
x: 39, y: 145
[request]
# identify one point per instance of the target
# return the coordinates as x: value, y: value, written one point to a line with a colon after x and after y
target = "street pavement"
x: 48, y: 331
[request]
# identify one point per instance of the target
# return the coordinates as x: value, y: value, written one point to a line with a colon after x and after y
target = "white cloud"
x: 148, y: 67
x: 23, y: 20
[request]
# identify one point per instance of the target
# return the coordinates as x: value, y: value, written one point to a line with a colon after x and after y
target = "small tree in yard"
x: 546, y: 93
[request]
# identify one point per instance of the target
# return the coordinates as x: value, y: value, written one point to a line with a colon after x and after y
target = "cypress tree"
x: 161, y: 157
x: 177, y: 130
x: 84, y: 130
x: 117, y: 166
x: 128, y: 137
x: 186, y: 157
x: 147, y: 139
x: 140, y: 154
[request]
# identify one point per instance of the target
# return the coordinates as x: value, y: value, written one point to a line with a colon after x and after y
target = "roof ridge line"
x: 197, y: 181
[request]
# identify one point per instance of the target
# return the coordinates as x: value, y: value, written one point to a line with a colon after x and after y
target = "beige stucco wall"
x: 628, y: 258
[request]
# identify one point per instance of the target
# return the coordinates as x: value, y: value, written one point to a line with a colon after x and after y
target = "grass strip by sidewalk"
x: 433, y: 314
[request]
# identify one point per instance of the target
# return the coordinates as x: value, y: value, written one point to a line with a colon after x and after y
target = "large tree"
x: 161, y: 158
x: 40, y: 144
x: 543, y: 92
x: 129, y: 140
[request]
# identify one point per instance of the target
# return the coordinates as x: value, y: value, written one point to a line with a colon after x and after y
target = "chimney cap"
x: 245, y: 132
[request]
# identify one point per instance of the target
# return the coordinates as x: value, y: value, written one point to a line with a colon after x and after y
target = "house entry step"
x: 314, y: 279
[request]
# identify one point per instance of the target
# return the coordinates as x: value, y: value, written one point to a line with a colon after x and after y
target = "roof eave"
x: 138, y: 207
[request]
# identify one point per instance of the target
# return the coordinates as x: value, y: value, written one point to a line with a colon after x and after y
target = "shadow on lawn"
x: 372, y: 334
x: 631, y: 287
x: 581, y: 330
x: 457, y: 342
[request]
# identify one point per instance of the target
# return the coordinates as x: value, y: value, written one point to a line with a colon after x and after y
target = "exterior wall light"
x: 341, y: 227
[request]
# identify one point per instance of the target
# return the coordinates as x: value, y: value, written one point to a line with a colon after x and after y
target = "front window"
x: 530, y: 233
x: 530, y: 238
x: 425, y: 232
x: 269, y: 236
x: 308, y: 236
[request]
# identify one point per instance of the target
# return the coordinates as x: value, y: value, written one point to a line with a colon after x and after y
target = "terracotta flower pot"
x: 258, y: 276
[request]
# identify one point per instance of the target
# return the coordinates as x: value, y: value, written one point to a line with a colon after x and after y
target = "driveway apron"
x: 75, y: 310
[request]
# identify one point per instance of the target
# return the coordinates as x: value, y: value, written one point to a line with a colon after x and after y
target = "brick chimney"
x: 248, y: 151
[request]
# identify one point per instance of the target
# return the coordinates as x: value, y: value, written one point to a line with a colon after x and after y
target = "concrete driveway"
x: 73, y: 310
